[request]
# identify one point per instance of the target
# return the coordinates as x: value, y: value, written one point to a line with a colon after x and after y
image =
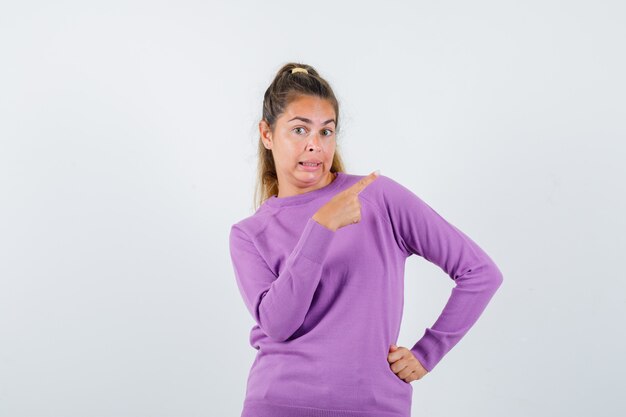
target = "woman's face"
x: 305, y: 131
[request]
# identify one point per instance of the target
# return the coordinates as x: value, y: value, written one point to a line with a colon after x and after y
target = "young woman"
x: 320, y: 267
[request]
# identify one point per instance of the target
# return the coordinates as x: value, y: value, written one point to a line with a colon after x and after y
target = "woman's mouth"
x: 308, y: 166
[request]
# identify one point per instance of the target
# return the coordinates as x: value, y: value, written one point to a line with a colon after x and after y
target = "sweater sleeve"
x: 280, y: 303
x: 422, y: 231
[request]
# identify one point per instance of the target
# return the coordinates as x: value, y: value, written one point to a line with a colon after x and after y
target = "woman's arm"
x: 279, y: 304
x: 422, y: 231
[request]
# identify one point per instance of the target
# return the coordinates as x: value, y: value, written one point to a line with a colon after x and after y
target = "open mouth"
x: 309, y: 164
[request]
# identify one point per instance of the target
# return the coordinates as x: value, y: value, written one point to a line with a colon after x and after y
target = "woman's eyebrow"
x: 305, y: 120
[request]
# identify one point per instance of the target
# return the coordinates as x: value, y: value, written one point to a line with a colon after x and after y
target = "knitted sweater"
x: 328, y: 305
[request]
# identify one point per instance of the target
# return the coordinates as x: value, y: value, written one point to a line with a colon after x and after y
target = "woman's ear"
x: 266, y: 134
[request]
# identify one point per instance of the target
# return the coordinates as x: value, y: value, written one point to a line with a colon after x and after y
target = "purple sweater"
x: 328, y: 305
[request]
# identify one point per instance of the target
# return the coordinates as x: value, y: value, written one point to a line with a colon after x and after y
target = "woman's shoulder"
x: 387, y: 193
x: 380, y: 182
x: 255, y: 223
x: 379, y: 188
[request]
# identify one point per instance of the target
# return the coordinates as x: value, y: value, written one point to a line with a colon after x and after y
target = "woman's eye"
x: 330, y: 132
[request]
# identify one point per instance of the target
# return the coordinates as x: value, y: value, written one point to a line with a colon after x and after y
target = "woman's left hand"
x: 404, y: 364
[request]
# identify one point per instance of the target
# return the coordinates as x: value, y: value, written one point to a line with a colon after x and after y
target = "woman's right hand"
x: 344, y: 208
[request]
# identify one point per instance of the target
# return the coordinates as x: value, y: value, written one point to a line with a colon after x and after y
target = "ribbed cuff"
x: 428, y: 350
x: 315, y: 241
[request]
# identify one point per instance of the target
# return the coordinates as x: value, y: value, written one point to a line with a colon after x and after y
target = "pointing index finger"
x: 365, y: 181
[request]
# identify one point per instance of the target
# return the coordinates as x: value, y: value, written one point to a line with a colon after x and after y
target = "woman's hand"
x: 404, y: 364
x: 344, y: 208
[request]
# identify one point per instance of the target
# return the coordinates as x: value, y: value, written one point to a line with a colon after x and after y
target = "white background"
x: 128, y: 133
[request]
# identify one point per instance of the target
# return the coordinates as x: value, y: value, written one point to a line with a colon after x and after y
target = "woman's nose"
x: 315, y: 140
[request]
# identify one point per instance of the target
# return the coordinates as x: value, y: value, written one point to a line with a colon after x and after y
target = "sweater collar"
x: 291, y: 200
